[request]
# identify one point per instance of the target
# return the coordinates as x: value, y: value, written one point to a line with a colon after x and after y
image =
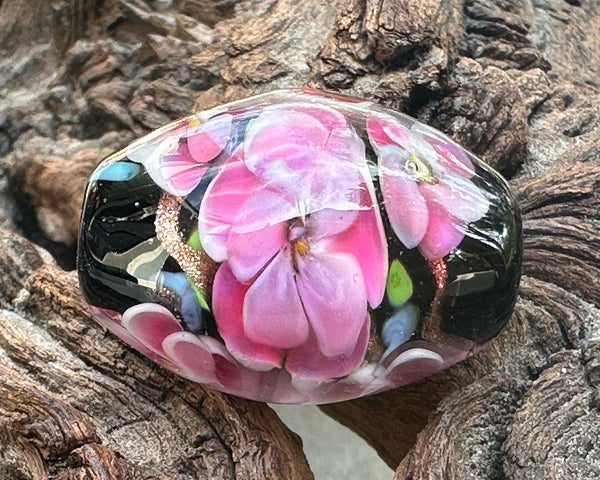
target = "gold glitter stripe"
x: 196, y: 264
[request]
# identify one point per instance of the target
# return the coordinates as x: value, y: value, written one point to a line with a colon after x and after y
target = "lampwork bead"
x: 300, y: 247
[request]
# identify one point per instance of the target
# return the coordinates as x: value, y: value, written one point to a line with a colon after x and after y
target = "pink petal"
x: 333, y: 294
x: 112, y: 322
x: 276, y: 386
x: 191, y: 354
x: 341, y: 143
x: 451, y: 155
x: 460, y: 197
x: 308, y: 363
x: 405, y: 206
x: 205, y: 359
x: 329, y: 118
x: 185, y: 181
x: 262, y: 209
x: 377, y: 135
x: 444, y: 233
x: 105, y: 314
x: 150, y: 324
x: 414, y: 364
x: 330, y: 184
x: 178, y: 160
x: 169, y: 148
x: 296, y: 154
x: 230, y: 375
x: 345, y: 145
x: 228, y: 301
x: 209, y: 139
x: 258, y: 233
x: 221, y: 202
x: 364, y: 380
x: 273, y: 313
x: 166, y: 157
x: 142, y: 149
x: 398, y: 133
x: 385, y: 130
x: 282, y: 146
x: 365, y: 241
x: 248, y: 253
x: 328, y: 222
x: 181, y: 170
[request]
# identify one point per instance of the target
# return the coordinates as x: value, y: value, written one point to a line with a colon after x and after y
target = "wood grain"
x: 515, y: 81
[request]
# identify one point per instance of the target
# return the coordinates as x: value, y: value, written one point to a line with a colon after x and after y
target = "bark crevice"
x: 514, y: 81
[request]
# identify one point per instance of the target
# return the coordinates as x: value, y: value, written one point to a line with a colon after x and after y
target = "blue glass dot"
x: 188, y: 304
x: 117, y: 172
x: 399, y: 328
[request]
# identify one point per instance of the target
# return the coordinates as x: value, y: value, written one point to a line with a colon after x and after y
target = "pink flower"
x: 416, y: 361
x: 426, y: 186
x: 155, y: 331
x: 177, y: 158
x: 293, y: 216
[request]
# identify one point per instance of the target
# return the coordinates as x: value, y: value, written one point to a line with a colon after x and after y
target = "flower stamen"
x: 420, y: 168
x: 302, y: 247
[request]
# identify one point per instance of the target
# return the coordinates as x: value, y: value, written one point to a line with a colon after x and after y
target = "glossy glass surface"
x: 300, y: 247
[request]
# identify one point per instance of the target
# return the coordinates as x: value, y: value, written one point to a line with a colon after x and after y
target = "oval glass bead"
x: 300, y: 247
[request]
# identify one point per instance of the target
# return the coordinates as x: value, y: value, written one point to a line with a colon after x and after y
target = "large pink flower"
x: 177, y: 158
x: 292, y: 215
x: 426, y: 184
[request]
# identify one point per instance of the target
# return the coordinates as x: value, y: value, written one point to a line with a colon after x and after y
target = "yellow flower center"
x: 194, y: 123
x: 302, y: 246
x: 420, y: 168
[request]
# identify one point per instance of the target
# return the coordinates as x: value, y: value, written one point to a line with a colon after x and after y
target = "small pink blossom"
x: 177, y: 159
x: 153, y: 330
x: 293, y: 217
x: 426, y: 184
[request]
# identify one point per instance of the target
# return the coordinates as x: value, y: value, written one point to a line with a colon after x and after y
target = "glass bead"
x: 300, y: 247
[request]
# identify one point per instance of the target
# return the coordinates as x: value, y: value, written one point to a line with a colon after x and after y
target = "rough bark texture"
x: 516, y: 81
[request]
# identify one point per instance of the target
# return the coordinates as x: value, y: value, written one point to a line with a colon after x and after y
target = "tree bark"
x: 515, y: 81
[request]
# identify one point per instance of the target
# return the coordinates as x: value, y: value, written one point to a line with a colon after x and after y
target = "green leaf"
x: 199, y: 295
x: 194, y: 241
x: 399, y: 286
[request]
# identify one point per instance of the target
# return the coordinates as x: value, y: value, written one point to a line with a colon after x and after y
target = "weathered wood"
x: 74, y: 403
x: 515, y: 81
